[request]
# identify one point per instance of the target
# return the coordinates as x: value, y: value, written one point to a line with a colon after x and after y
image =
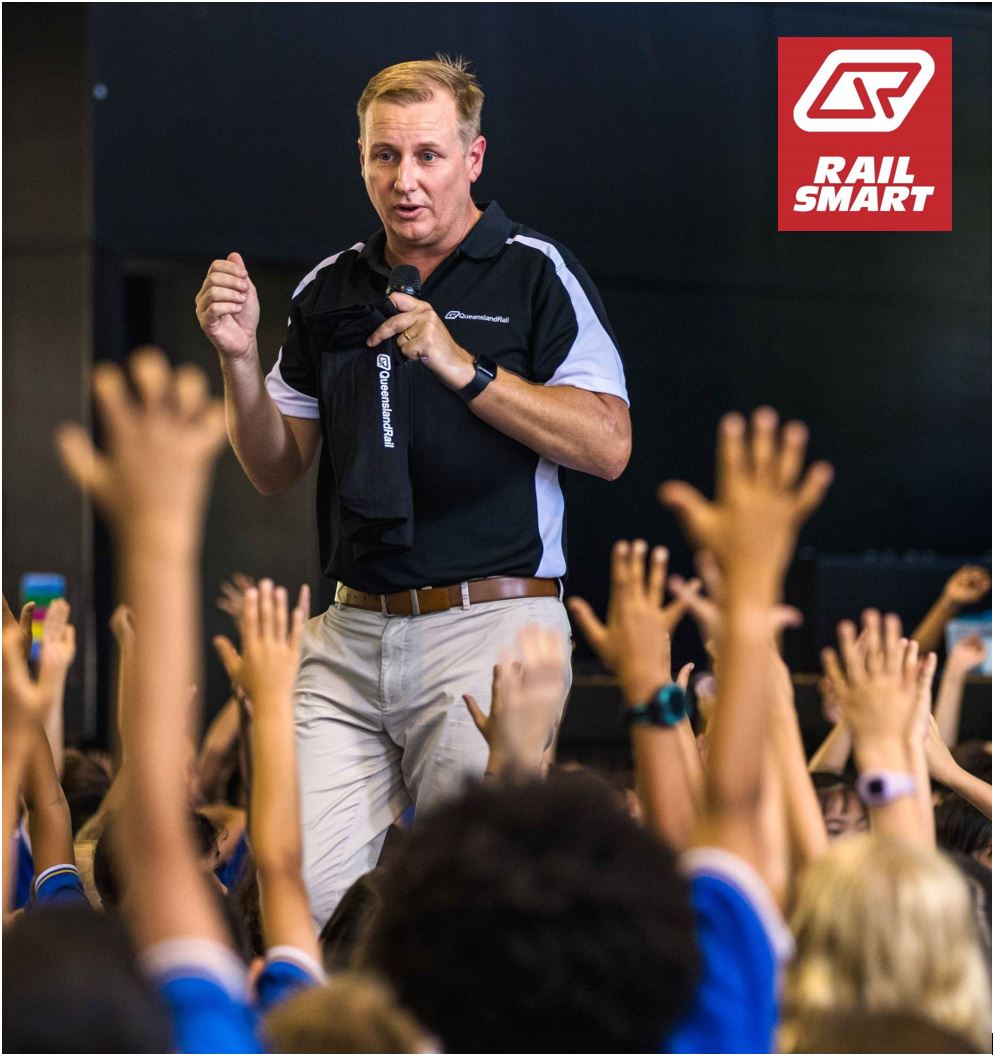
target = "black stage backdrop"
x: 642, y: 136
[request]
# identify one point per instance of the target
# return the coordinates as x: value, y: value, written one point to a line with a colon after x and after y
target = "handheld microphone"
x: 404, y: 279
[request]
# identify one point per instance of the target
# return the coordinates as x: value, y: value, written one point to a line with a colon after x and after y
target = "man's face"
x: 419, y: 174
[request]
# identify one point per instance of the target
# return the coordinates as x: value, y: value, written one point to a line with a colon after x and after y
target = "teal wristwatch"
x: 668, y: 707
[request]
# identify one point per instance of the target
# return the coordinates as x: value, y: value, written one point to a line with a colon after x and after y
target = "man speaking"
x: 504, y: 371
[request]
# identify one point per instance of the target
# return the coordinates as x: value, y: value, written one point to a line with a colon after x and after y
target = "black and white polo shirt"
x: 484, y: 504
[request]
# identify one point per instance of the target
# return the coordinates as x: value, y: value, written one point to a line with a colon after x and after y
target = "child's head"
x: 71, y: 982
x: 882, y: 926
x: 537, y: 917
x: 841, y: 806
x: 353, y: 1013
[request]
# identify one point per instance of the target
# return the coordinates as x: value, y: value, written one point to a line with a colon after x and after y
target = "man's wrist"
x: 235, y: 366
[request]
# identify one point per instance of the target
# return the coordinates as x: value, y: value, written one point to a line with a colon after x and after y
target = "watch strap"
x: 668, y: 707
x: 486, y: 371
x: 881, y: 787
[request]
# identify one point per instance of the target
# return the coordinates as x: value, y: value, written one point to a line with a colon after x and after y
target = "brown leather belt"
x: 441, y: 598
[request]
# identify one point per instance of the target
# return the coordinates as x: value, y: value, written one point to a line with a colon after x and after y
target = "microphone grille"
x: 406, y: 279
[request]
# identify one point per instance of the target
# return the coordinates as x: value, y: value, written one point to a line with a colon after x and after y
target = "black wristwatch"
x: 668, y: 706
x: 486, y: 370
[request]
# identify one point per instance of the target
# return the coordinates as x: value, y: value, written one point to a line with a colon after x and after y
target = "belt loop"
x: 382, y: 604
x: 415, y: 607
x: 465, y: 596
x: 560, y: 586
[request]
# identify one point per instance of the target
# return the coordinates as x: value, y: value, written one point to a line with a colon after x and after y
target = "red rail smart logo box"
x: 865, y: 134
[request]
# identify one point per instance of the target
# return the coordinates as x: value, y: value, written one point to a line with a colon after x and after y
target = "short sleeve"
x: 744, y: 943
x: 292, y: 382
x: 206, y: 989
x: 287, y: 970
x: 59, y: 885
x: 572, y: 341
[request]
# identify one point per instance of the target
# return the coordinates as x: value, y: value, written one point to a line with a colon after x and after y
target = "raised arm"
x: 967, y: 586
x: 943, y: 768
x: 751, y: 529
x: 265, y: 670
x: 275, y: 451
x: 152, y: 484
x: 525, y: 704
x: 880, y: 696
x: 49, y: 822
x: 805, y: 822
x: 965, y: 654
x: 635, y: 643
x: 27, y: 759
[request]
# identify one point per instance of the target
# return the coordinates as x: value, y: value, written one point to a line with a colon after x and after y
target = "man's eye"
x: 384, y: 155
x: 429, y: 155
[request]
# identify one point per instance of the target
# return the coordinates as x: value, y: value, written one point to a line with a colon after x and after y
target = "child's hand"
x: 761, y: 500
x: 152, y: 480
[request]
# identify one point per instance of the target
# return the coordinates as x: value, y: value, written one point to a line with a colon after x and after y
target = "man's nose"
x: 406, y: 178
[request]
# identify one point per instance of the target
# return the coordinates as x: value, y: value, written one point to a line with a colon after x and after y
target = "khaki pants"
x: 380, y: 723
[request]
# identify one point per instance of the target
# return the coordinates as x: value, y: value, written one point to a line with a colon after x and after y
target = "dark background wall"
x: 644, y: 137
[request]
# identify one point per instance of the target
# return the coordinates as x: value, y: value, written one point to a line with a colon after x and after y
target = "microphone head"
x: 404, y: 279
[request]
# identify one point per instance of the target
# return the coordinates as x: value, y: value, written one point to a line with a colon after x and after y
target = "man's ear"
x: 474, y: 158
x: 361, y: 158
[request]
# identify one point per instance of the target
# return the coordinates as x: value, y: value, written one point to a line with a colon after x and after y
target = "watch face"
x: 486, y: 365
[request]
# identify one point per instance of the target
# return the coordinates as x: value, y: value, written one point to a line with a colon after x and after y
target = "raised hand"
x: 880, y: 686
x: 228, y: 307
x: 22, y: 622
x: 634, y: 642
x: 270, y: 643
x: 966, y: 654
x: 761, y: 501
x: 706, y: 607
x: 967, y: 586
x: 526, y: 702
x: 232, y: 598
x: 152, y: 480
x: 25, y: 698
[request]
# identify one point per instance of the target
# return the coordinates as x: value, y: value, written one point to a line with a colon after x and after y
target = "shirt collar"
x: 487, y: 237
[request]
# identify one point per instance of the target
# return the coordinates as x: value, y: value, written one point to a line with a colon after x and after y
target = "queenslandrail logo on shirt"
x: 384, y: 364
x: 449, y: 315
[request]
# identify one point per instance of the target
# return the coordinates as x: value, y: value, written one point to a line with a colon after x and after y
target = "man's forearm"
x: 569, y: 426
x: 259, y: 435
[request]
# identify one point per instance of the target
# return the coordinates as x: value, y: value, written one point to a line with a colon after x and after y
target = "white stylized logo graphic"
x: 383, y: 362
x: 449, y: 315
x: 864, y: 90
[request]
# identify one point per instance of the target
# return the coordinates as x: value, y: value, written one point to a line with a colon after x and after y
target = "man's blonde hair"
x: 416, y: 82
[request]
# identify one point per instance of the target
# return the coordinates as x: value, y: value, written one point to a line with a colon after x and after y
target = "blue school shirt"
x: 744, y: 943
x: 205, y: 986
x: 58, y: 885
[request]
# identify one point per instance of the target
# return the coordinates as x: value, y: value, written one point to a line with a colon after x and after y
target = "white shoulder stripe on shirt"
x: 592, y: 362
x: 312, y: 274
x: 292, y: 403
